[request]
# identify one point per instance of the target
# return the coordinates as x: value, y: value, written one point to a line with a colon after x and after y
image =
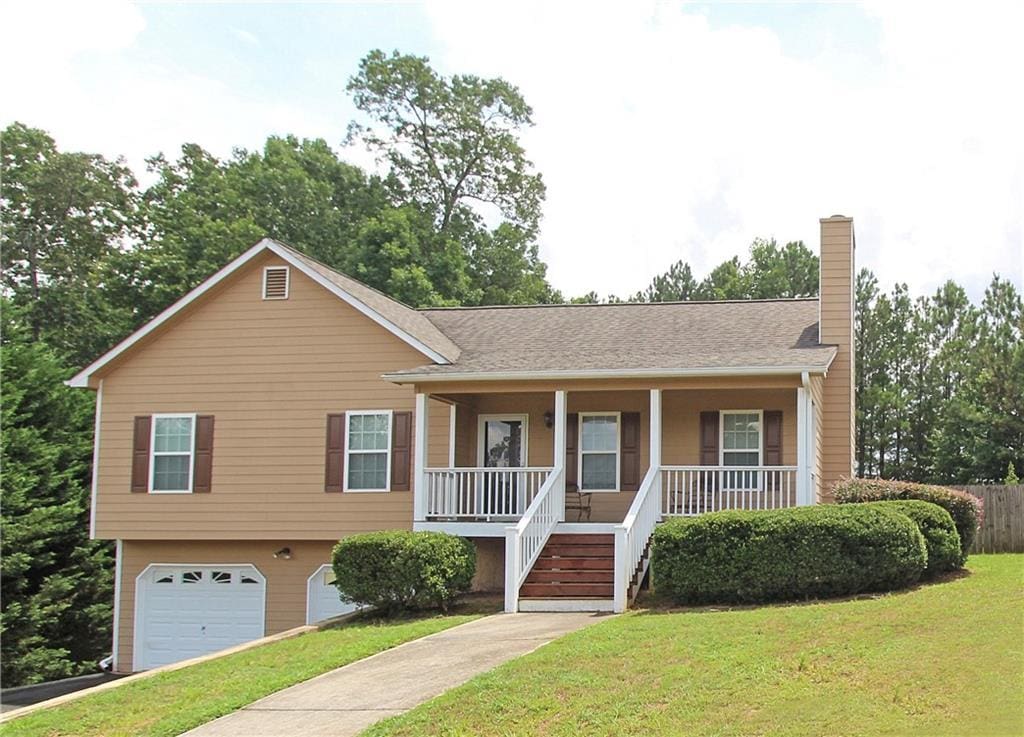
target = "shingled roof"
x: 773, y: 336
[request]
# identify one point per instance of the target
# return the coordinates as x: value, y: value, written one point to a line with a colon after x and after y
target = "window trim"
x: 349, y: 414
x: 580, y: 452
x: 287, y: 282
x: 760, y: 434
x: 524, y: 439
x: 153, y: 452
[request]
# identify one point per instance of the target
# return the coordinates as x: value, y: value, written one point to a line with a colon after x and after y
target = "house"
x: 280, y: 406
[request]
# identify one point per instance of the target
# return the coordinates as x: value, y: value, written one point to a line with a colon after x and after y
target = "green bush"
x: 798, y: 553
x: 939, y: 532
x: 965, y: 509
x: 398, y: 569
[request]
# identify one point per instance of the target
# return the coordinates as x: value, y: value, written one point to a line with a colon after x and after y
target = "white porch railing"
x: 481, y: 493
x: 524, y: 542
x: 632, y: 536
x: 693, y: 490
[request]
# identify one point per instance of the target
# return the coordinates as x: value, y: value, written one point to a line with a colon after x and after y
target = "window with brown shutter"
x: 709, y: 438
x: 629, y: 464
x: 773, y: 437
x: 572, y: 429
x: 401, y: 450
x: 140, y: 454
x: 335, y: 462
x: 202, y: 472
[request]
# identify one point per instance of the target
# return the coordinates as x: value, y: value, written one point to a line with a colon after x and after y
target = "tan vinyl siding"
x: 838, y: 417
x: 269, y: 372
x: 816, y: 397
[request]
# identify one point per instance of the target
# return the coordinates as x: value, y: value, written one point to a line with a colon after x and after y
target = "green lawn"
x: 944, y: 659
x: 170, y: 703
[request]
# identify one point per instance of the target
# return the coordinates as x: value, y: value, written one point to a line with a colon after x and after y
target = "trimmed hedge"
x: 399, y: 569
x: 797, y: 553
x: 965, y: 509
x: 939, y: 532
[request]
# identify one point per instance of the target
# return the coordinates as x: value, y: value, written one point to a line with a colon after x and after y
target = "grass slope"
x: 943, y: 659
x: 171, y: 703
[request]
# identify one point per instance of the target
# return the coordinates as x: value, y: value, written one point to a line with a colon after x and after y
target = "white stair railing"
x: 524, y: 542
x: 632, y: 536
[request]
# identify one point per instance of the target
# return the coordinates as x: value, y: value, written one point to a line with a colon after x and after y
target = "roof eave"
x: 571, y: 374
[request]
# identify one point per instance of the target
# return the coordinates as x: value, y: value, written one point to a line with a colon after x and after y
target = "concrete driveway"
x: 347, y: 700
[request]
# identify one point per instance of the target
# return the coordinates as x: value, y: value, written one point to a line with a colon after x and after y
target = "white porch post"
x: 655, y: 435
x: 559, y: 454
x: 419, y: 489
x: 802, y: 451
x: 511, y: 570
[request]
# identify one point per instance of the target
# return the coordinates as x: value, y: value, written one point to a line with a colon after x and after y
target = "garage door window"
x: 173, y: 445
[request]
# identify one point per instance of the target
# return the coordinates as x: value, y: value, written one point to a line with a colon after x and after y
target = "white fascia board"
x: 404, y: 378
x: 81, y: 379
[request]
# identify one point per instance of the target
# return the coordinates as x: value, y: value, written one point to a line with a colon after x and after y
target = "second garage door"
x: 183, y: 611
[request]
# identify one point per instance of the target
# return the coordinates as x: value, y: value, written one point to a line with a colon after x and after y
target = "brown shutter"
x: 629, y: 462
x: 335, y: 464
x: 401, y: 450
x: 572, y: 432
x: 202, y: 472
x: 140, y: 454
x: 773, y: 437
x: 709, y: 438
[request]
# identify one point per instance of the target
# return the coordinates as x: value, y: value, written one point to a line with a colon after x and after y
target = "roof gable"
x: 402, y: 321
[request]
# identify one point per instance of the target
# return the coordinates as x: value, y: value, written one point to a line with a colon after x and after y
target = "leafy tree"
x: 448, y: 140
x: 63, y: 215
x: 56, y: 583
x: 675, y: 285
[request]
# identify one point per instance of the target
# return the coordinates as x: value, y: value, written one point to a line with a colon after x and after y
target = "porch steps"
x: 575, y: 568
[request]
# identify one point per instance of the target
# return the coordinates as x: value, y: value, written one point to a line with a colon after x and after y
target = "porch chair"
x: 578, y: 501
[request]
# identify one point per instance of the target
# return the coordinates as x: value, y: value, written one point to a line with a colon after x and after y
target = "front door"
x: 502, y: 446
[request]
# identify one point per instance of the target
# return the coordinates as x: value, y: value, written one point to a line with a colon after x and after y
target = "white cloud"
x: 243, y: 35
x: 661, y: 137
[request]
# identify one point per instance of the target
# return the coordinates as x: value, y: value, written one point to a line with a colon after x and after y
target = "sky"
x: 664, y: 131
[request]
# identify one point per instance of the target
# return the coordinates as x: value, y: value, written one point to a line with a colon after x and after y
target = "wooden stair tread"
x: 569, y: 590
x: 583, y: 538
x: 571, y: 576
x: 562, y: 563
x: 578, y: 551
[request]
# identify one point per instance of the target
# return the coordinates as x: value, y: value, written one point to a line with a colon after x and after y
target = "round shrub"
x: 399, y: 569
x: 939, y: 532
x: 798, y: 553
x: 965, y: 509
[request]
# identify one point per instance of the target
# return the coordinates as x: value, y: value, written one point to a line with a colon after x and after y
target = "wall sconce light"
x: 284, y: 554
x: 549, y: 419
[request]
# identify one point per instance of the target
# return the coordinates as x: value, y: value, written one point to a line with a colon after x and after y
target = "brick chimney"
x: 835, y: 327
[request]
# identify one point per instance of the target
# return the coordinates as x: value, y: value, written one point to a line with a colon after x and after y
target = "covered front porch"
x: 527, y: 463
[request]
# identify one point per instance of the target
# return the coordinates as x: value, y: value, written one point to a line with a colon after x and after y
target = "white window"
x: 276, y: 280
x: 741, y: 446
x: 173, y: 449
x: 599, y: 451
x: 368, y: 451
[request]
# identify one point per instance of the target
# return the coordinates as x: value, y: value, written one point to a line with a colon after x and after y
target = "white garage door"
x: 182, y: 611
x: 322, y: 598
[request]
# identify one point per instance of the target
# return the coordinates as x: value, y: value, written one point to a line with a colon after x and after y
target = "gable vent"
x: 275, y: 282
